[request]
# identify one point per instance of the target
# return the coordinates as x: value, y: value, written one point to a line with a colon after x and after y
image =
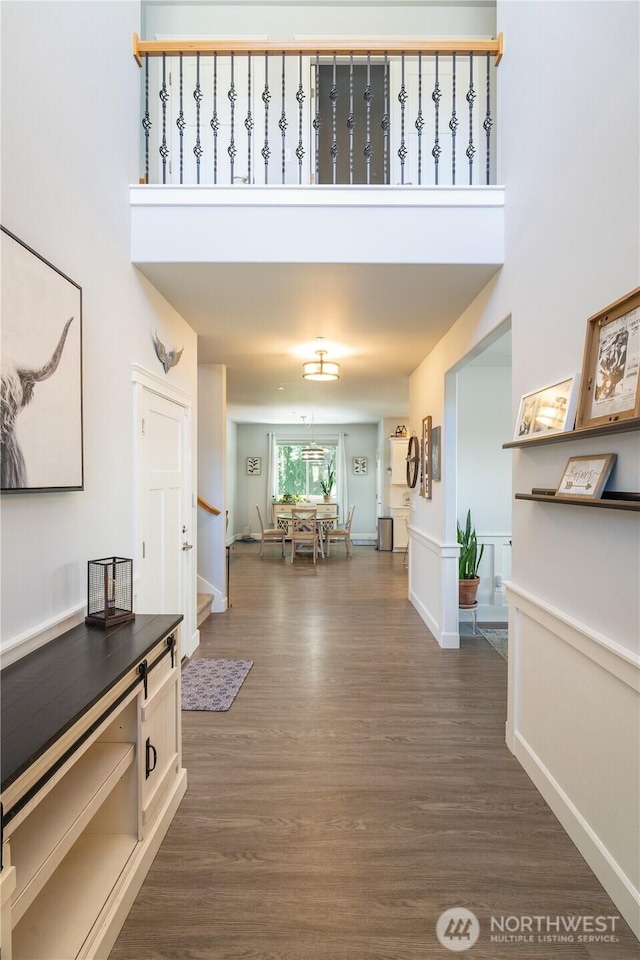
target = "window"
x: 301, y: 477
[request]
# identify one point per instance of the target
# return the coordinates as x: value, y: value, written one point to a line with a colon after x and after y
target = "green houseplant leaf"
x: 470, y: 551
x: 327, y: 483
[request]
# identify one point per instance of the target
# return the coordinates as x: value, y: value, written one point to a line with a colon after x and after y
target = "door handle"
x: 151, y: 758
x: 187, y: 546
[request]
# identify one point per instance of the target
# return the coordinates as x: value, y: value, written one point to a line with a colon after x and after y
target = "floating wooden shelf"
x: 616, y: 426
x: 610, y: 500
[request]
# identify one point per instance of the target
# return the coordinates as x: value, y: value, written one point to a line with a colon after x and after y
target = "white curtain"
x: 342, y: 477
x: 272, y: 475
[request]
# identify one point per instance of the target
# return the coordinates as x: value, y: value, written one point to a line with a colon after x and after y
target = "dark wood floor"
x: 358, y: 786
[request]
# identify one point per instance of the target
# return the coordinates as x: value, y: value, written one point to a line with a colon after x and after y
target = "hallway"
x: 358, y: 787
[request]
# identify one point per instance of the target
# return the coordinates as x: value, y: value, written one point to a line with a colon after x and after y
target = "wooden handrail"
x: 207, y: 506
x: 394, y: 47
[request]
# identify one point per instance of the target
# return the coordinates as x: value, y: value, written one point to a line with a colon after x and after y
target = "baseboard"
x: 448, y: 641
x: 36, y: 637
x: 195, y: 643
x: 607, y: 870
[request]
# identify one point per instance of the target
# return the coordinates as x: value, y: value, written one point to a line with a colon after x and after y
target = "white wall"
x: 313, y: 18
x: 360, y: 441
x: 572, y: 247
x: 70, y: 119
x: 484, y: 468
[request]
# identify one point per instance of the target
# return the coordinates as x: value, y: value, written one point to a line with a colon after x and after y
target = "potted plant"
x: 288, y: 498
x: 326, y: 484
x: 468, y: 563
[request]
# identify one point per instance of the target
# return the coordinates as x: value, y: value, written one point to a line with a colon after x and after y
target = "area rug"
x: 498, y: 640
x: 212, y: 684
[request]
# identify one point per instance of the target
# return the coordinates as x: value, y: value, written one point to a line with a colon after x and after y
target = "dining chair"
x: 304, y: 529
x: 341, y: 533
x: 270, y: 534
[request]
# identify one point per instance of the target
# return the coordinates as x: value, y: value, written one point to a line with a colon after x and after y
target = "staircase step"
x: 204, y: 606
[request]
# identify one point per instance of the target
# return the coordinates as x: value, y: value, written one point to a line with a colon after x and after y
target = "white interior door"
x: 165, y: 551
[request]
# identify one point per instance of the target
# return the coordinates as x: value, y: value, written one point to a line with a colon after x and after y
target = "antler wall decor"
x: 168, y: 358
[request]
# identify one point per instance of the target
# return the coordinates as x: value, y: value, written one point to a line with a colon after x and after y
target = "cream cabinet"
x: 398, y: 460
x: 400, y: 519
x: 284, y: 509
x: 91, y: 779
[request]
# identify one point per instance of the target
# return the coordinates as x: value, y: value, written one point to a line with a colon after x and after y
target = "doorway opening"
x: 483, y: 483
x: 351, y: 164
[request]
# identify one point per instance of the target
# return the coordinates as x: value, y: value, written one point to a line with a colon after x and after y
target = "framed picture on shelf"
x: 610, y: 389
x: 360, y: 466
x: 436, y: 453
x: 585, y: 476
x: 427, y: 453
x: 254, y: 466
x: 550, y: 409
x: 41, y: 444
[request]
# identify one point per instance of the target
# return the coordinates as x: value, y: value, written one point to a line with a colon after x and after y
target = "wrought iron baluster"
x: 300, y: 99
x: 146, y: 122
x: 317, y: 123
x: 436, y: 96
x: 248, y: 122
x: 333, y: 96
x: 197, y: 96
x: 402, y: 98
x: 368, y: 97
x: 351, y: 120
x: 214, y: 122
x: 385, y: 120
x: 180, y: 124
x: 453, y: 122
x: 233, y: 96
x: 266, y: 97
x: 164, y: 96
x: 419, y: 118
x: 282, y: 123
x: 488, y: 122
x: 471, y: 96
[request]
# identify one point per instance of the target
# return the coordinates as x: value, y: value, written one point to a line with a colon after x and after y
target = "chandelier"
x: 312, y: 453
x: 320, y: 369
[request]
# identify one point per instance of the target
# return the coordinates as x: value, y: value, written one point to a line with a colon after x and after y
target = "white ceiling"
x: 261, y: 321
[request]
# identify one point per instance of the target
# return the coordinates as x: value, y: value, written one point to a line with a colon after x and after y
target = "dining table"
x: 324, y: 525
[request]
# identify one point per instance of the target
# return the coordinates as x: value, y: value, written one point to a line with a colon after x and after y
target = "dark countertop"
x: 46, y: 692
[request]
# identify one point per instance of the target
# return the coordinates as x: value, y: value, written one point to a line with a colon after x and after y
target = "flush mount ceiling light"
x: 320, y: 369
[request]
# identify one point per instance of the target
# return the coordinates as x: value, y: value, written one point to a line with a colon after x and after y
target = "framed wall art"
x: 41, y: 423
x: 551, y: 409
x: 360, y: 466
x: 586, y: 476
x: 254, y: 466
x: 427, y: 454
x: 610, y: 389
x: 436, y: 435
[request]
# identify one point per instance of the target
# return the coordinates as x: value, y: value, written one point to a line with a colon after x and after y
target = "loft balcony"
x: 286, y: 152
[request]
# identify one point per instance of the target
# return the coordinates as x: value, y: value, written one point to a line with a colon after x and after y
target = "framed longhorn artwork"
x: 41, y: 400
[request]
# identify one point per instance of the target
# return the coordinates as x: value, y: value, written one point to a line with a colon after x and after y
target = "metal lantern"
x: 110, y: 591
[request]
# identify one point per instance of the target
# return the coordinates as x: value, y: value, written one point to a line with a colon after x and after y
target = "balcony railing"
x: 403, y: 112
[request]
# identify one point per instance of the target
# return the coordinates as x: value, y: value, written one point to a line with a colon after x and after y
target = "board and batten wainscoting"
x: 566, y: 745
x: 441, y: 567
